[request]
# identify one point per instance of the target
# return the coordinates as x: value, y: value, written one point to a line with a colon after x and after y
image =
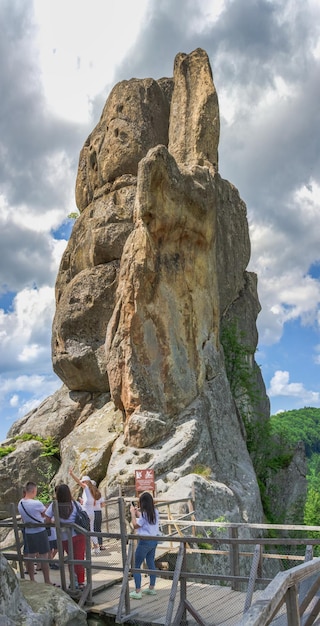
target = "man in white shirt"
x: 36, y: 538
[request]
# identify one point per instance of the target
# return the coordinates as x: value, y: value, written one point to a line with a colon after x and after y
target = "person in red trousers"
x: 67, y: 513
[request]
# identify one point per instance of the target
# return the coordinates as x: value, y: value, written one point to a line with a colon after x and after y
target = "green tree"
x: 269, y: 453
x: 73, y: 215
x: 299, y: 425
x: 313, y: 475
x: 238, y: 356
x: 238, y: 363
x: 312, y: 508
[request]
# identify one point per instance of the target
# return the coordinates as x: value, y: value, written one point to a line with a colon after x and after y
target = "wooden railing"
x: 235, y: 541
x: 285, y: 591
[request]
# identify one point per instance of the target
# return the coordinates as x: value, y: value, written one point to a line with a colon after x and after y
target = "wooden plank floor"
x: 216, y: 605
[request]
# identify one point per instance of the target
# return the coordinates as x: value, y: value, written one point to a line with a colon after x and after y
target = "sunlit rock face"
x: 165, y: 322
x: 134, y: 119
x: 155, y: 265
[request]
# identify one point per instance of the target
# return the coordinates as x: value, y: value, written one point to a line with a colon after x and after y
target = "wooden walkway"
x: 217, y: 605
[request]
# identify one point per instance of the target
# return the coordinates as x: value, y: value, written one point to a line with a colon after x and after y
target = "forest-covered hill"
x: 289, y: 428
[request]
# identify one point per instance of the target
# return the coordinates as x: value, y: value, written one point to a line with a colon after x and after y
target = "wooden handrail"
x: 283, y: 588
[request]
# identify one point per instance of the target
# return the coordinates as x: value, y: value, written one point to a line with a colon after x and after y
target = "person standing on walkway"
x: 146, y: 522
x: 67, y: 513
x: 36, y: 539
x: 89, y: 496
x: 98, y: 516
x: 53, y: 542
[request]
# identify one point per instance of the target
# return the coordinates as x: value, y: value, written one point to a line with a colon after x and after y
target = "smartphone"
x: 133, y: 503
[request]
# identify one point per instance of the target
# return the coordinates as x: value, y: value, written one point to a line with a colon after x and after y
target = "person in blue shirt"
x: 146, y: 522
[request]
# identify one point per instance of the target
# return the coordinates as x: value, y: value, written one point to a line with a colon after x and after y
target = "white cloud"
x: 31, y: 404
x: 20, y: 383
x: 288, y: 296
x: 208, y: 13
x: 37, y: 386
x: 79, y: 45
x: 286, y: 291
x: 21, y: 394
x: 58, y: 171
x: 58, y: 248
x: 25, y: 333
x: 14, y: 400
x: 29, y: 353
x: 280, y: 386
x: 29, y: 254
x: 317, y: 355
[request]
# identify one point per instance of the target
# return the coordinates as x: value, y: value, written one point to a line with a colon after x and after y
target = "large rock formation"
x: 155, y: 264
x: 26, y: 603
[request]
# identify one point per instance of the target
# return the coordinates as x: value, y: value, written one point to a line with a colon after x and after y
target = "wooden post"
x: 293, y: 617
x: 234, y: 557
x: 124, y: 541
x: 55, y: 509
x: 252, y: 578
x: 174, y: 587
x: 88, y: 568
x: 72, y: 573
x: 106, y: 511
x: 308, y: 556
x: 124, y: 586
x: 169, y: 517
x: 17, y: 539
x: 305, y: 585
x: 191, y: 504
x: 313, y: 614
x: 183, y: 588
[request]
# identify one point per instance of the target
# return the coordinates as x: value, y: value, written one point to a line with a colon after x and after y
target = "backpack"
x: 82, y: 518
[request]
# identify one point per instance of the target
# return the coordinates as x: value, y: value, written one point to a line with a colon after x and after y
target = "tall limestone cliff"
x: 155, y: 266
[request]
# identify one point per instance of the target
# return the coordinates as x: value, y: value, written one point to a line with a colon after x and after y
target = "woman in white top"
x: 146, y: 521
x: 67, y: 513
x: 98, y: 516
x: 89, y: 496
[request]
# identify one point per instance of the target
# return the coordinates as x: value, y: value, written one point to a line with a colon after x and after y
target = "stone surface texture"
x: 25, y: 603
x: 154, y: 268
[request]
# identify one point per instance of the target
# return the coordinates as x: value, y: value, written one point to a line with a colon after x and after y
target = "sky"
x: 59, y: 60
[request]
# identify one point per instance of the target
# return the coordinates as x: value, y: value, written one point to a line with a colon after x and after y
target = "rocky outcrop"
x: 165, y: 323
x: 155, y: 265
x: 194, y: 125
x: 24, y: 463
x: 25, y: 603
x: 286, y: 489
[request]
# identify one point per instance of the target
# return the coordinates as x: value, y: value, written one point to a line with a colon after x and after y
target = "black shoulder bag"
x: 48, y: 529
x: 82, y: 518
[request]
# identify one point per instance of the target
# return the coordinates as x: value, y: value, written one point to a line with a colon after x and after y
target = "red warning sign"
x: 144, y: 480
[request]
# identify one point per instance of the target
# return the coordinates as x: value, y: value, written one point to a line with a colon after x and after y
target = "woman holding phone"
x: 146, y: 522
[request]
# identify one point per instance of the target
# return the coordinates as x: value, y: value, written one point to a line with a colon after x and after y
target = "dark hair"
x: 29, y: 487
x: 64, y: 499
x: 147, y: 507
